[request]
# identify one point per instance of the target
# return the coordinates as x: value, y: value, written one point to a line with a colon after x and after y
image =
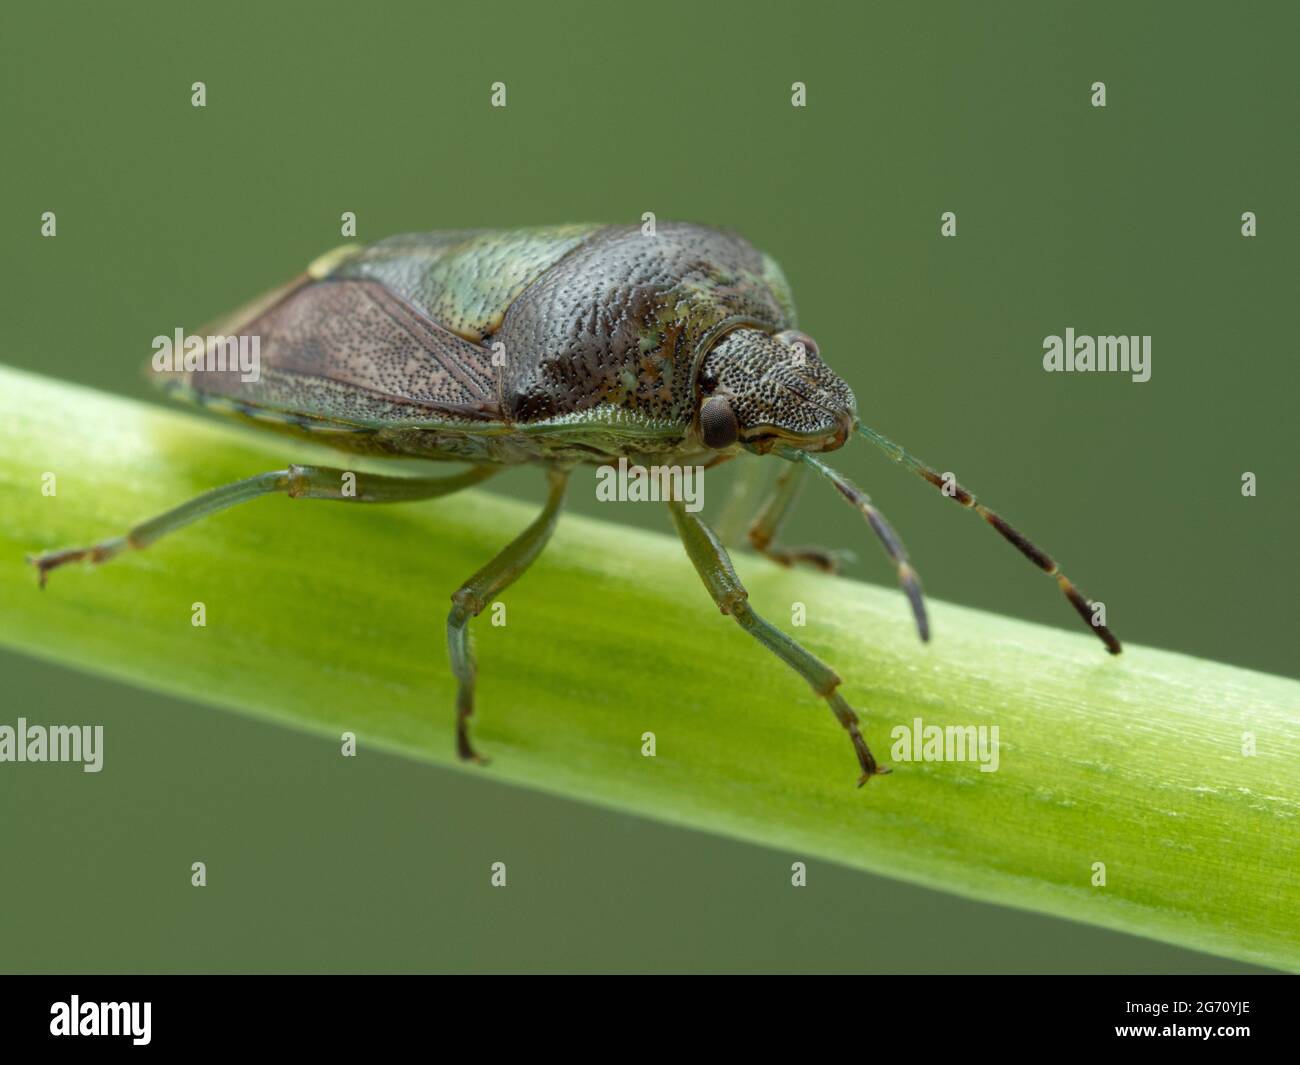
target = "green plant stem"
x: 330, y: 617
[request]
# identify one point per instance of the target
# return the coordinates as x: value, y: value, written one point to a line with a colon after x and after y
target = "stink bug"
x: 560, y: 347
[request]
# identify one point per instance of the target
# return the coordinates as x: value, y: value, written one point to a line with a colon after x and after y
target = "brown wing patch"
x: 352, y: 350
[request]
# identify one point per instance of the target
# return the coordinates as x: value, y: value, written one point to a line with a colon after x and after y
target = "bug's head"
x: 759, y: 390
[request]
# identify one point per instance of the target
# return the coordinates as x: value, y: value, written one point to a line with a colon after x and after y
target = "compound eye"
x: 718, y: 425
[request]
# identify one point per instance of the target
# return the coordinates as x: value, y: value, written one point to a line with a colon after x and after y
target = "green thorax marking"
x: 464, y: 280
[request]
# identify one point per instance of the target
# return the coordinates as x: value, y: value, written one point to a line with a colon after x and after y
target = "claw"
x: 464, y: 748
x: 49, y: 560
x: 100, y: 552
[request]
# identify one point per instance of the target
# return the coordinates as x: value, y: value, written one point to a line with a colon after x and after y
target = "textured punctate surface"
x: 776, y: 385
x: 618, y: 320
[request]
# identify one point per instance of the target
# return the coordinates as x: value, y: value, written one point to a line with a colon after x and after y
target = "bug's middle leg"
x: 714, y: 567
x: 475, y: 594
x: 767, y: 522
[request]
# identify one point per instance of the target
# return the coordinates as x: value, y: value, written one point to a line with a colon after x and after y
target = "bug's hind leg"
x: 771, y: 513
x: 715, y: 569
x: 298, y: 482
x: 480, y: 589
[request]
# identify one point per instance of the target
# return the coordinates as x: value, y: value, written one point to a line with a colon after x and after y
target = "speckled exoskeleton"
x: 556, y: 346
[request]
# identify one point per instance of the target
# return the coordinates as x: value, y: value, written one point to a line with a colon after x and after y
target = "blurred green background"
x: 1117, y: 220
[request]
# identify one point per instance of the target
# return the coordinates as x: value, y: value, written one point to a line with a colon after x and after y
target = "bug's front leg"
x: 771, y: 513
x: 298, y: 482
x: 715, y: 569
x: 475, y: 594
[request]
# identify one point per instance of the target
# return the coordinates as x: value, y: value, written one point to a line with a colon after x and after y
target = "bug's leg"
x: 907, y: 578
x: 747, y: 486
x: 714, y: 567
x: 771, y: 513
x: 480, y: 589
x: 298, y: 482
